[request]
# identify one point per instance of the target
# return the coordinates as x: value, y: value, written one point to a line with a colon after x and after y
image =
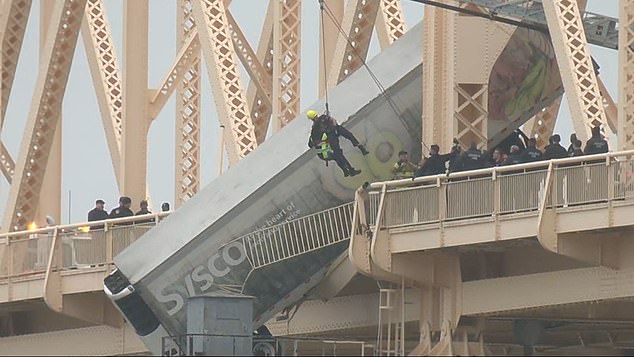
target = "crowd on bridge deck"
x: 99, y: 213
x: 516, y: 149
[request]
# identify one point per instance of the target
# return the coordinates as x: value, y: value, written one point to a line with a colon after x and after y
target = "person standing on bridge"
x: 554, y: 150
x: 404, y: 168
x: 124, y: 208
x: 144, y: 208
x: 532, y: 153
x: 596, y: 144
x: 98, y: 214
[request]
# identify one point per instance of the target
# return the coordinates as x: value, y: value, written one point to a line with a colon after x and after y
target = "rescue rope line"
x: 323, y: 51
x: 324, y: 8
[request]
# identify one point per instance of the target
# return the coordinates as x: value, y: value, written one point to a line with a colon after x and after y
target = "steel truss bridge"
x: 452, y: 264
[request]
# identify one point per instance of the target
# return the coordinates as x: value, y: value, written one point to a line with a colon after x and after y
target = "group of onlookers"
x: 521, y: 149
x: 123, y: 210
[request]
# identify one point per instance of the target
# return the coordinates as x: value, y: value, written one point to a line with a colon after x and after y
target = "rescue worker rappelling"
x: 324, y: 136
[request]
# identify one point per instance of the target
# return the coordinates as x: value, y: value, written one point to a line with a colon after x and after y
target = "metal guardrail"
x: 503, y: 190
x: 303, y: 235
x: 83, y: 245
x: 273, y: 346
x: 29, y: 252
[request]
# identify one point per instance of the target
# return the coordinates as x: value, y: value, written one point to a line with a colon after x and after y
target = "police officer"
x: 532, y: 153
x: 124, y: 208
x: 472, y: 158
x: 596, y: 144
x: 435, y: 164
x: 554, y: 150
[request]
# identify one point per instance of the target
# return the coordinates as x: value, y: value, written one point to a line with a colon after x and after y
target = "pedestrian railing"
x: 293, y: 238
x: 501, y: 191
x: 79, y: 246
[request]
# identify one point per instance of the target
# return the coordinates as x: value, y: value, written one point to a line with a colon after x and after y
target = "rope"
x: 376, y: 80
x: 323, y: 51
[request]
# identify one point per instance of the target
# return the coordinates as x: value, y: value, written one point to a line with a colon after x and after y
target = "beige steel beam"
x: 135, y: 100
x: 50, y: 199
x: 260, y: 77
x: 542, y: 125
x: 328, y: 40
x: 611, y: 112
x: 390, y: 24
x: 626, y: 74
x: 7, y: 165
x: 104, y: 69
x: 438, y: 87
x: 260, y: 105
x: 352, y: 49
x: 573, y: 57
x: 13, y: 19
x: 286, y: 66
x: 187, y: 170
x: 185, y: 58
x: 219, y: 53
x: 43, y: 117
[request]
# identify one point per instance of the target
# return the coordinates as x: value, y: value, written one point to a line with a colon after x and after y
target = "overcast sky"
x: 87, y: 171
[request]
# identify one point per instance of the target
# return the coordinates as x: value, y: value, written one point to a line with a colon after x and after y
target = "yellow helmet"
x: 312, y: 114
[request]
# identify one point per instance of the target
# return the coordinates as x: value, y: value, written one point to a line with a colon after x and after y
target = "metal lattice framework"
x: 542, y: 126
x: 222, y: 68
x: 626, y: 75
x: 187, y: 170
x: 207, y: 30
x: 13, y: 20
x: 106, y: 76
x: 390, y: 25
x: 573, y: 56
x: 45, y: 110
x: 358, y: 22
x: 260, y: 99
x: 286, y: 65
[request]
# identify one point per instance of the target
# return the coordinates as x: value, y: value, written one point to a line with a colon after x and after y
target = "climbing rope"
x: 323, y: 51
x: 325, y: 9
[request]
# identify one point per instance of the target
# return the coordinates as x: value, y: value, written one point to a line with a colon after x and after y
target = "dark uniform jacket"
x: 596, y: 146
x: 555, y: 151
x: 97, y: 215
x: 472, y: 160
x: 513, y: 159
x: 434, y: 165
x: 120, y: 212
x: 531, y: 155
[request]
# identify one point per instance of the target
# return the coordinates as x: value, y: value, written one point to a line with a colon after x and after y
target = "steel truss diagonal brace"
x: 187, y: 170
x: 261, y: 104
x: 286, y: 66
x: 7, y: 166
x: 542, y: 125
x: 390, y: 24
x: 39, y: 132
x: 573, y: 56
x: 14, y: 16
x: 106, y: 76
x: 260, y: 77
x: 219, y: 53
x: 350, y: 52
x: 184, y: 60
x: 626, y: 75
